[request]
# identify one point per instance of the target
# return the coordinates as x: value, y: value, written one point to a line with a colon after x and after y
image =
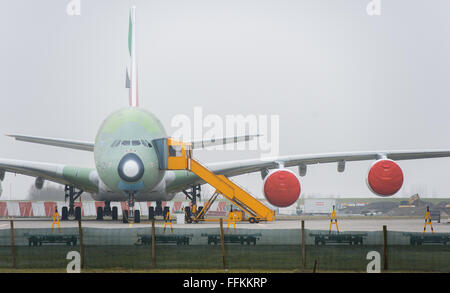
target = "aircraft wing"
x: 89, y: 146
x: 59, y: 142
x: 82, y: 178
x: 221, y: 141
x: 234, y: 168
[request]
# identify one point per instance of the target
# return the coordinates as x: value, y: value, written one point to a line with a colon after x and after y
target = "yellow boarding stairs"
x: 178, y: 156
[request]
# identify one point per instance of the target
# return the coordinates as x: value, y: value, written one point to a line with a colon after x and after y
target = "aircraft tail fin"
x: 131, y: 73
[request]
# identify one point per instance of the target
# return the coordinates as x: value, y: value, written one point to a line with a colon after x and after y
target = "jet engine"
x: 385, y: 177
x: 39, y: 182
x: 281, y: 188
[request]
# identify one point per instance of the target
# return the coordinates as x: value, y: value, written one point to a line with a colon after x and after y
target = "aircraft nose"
x: 131, y: 168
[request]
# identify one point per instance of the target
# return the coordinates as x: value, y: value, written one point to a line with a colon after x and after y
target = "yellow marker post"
x: 333, y: 220
x: 231, y: 220
x: 428, y: 221
x: 168, y: 219
x: 56, y: 220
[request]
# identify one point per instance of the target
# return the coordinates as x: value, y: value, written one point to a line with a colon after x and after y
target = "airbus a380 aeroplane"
x: 127, y: 164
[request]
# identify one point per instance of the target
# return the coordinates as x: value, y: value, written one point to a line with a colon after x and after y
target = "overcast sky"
x: 339, y: 79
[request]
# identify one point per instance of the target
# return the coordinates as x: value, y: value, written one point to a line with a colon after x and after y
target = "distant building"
x: 319, y: 206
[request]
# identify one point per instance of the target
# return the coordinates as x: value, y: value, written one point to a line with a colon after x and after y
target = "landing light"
x: 130, y: 168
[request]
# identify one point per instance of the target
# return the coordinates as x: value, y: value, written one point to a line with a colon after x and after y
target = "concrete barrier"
x: 89, y: 208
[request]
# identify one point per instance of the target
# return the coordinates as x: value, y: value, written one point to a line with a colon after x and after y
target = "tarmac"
x: 357, y: 224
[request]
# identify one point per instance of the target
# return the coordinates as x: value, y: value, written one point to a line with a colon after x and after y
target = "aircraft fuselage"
x: 125, y: 159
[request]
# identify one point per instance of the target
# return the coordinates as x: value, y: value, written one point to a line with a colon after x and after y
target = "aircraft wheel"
x: 78, y: 213
x: 187, y: 211
x: 166, y: 210
x: 114, y: 213
x: 99, y: 213
x: 137, y: 216
x: 107, y: 209
x: 151, y: 213
x: 124, y: 216
x: 65, y: 214
x: 158, y: 209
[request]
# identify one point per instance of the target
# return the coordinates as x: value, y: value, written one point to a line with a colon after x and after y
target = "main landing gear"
x: 157, y: 211
x: 72, y: 194
x: 193, y: 211
x: 107, y: 211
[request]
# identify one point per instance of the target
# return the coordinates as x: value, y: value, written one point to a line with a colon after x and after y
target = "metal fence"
x: 151, y: 247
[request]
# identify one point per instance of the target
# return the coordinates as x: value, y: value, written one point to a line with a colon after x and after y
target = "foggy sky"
x: 339, y: 80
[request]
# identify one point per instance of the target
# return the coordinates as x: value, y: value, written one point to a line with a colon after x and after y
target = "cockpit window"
x: 135, y: 142
x: 115, y: 143
x: 146, y: 143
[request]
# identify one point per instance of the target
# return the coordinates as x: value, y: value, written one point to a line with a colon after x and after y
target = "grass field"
x: 196, y: 258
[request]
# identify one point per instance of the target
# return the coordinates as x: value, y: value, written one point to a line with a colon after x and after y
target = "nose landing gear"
x: 192, y: 211
x: 131, y: 213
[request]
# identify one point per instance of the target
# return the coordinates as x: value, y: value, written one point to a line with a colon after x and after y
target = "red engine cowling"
x: 282, y: 188
x: 385, y: 177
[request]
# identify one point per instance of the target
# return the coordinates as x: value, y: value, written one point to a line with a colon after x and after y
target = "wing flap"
x: 234, y: 168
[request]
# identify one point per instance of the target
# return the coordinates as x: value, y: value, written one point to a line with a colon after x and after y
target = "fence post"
x: 385, y: 252
x: 303, y: 246
x: 13, y: 247
x: 222, y: 240
x: 153, y: 244
x: 80, y: 233
x: 315, y: 266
